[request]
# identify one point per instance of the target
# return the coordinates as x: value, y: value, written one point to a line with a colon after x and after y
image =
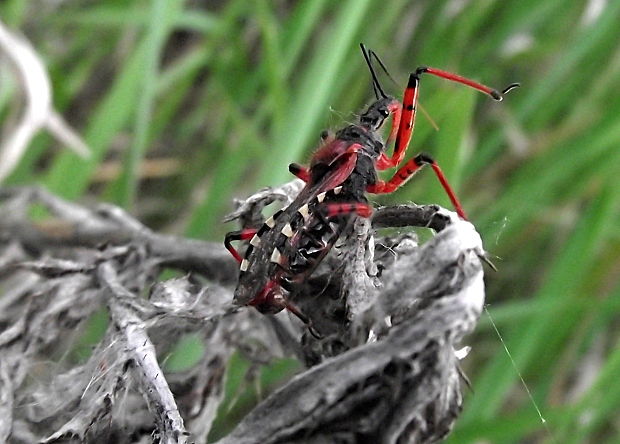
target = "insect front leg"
x: 410, y: 103
x: 395, y: 109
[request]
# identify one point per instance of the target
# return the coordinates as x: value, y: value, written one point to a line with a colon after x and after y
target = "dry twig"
x: 390, y: 313
x: 38, y: 110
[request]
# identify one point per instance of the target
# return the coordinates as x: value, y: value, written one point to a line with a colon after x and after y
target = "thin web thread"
x: 514, y: 365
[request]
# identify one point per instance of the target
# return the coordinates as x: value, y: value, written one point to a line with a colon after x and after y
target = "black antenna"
x: 375, y: 81
x: 376, y: 57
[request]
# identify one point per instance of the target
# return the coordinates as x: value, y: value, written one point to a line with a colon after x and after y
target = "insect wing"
x: 269, y: 253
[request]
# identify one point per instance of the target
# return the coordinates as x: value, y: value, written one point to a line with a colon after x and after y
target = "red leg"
x: 407, y: 171
x: 410, y: 101
x: 300, y: 171
x: 336, y: 209
x: 407, y: 120
x: 395, y: 108
x: 235, y: 236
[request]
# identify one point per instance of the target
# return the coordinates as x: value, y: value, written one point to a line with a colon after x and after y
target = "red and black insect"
x: 292, y: 242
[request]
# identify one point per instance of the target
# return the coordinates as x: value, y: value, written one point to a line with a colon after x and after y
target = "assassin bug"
x: 292, y: 242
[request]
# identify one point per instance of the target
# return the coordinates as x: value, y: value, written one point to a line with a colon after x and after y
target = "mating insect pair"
x: 291, y: 243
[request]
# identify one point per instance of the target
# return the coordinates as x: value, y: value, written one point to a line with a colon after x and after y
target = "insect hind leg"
x: 342, y: 208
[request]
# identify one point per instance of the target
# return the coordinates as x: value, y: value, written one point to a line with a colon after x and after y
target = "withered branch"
x: 390, y: 314
x: 78, y: 226
x: 143, y: 358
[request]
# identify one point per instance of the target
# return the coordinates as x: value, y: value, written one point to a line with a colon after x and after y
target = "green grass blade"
x: 563, y: 277
x: 163, y: 13
x: 69, y: 175
x: 314, y: 91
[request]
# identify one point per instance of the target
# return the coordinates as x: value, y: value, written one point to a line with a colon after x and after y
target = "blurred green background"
x: 187, y: 104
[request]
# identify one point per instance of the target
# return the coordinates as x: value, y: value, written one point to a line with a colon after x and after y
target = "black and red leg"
x: 404, y: 132
x: 408, y: 170
x: 341, y: 208
x: 406, y: 122
x: 246, y: 234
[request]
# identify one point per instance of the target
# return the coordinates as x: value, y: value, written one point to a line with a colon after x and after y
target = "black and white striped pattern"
x: 293, y: 221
